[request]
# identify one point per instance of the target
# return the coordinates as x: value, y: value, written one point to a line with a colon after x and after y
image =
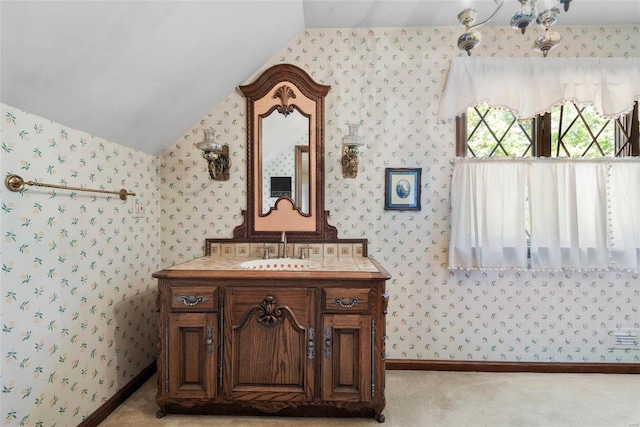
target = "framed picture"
x: 402, y: 189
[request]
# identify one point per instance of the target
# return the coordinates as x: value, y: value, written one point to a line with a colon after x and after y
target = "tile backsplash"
x: 313, y: 250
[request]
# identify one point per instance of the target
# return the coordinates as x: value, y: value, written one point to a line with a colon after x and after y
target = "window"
x: 554, y: 192
x: 568, y: 130
x: 546, y: 193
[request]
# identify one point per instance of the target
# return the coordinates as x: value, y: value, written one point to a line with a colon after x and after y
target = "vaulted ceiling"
x: 140, y: 73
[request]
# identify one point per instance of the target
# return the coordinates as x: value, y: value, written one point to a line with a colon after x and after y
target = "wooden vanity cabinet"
x: 194, y: 363
x: 190, y: 330
x: 267, y: 333
x: 348, y: 365
x: 290, y: 347
x: 346, y: 362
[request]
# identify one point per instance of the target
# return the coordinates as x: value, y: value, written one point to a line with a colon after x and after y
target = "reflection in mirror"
x: 302, y: 178
x: 285, y: 171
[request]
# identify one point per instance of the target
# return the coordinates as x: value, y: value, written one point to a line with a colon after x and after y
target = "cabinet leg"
x: 161, y: 412
x: 380, y: 417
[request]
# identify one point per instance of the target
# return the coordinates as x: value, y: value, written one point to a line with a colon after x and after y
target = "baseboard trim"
x: 540, y: 367
x: 117, y: 399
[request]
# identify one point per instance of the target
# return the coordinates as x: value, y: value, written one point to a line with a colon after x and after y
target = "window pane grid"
x: 568, y: 131
x: 494, y: 132
x: 624, y: 143
x: 578, y: 139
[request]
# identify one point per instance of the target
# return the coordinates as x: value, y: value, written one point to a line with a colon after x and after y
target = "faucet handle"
x: 265, y: 251
x: 302, y: 251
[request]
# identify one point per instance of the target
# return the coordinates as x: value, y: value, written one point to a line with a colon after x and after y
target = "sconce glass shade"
x: 350, y: 153
x: 209, y: 143
x: 352, y: 139
x: 216, y: 155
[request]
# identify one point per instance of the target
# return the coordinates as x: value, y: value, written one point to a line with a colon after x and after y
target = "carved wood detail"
x: 284, y: 92
x: 268, y: 314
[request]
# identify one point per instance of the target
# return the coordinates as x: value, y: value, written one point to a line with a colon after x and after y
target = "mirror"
x: 284, y: 171
x: 285, y: 157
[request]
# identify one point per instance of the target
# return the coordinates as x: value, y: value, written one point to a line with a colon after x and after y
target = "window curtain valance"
x: 531, y: 86
x: 545, y: 214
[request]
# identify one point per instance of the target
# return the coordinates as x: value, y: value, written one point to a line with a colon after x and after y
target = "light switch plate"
x: 137, y: 210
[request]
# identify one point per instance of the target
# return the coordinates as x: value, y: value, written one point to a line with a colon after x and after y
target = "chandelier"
x: 525, y: 16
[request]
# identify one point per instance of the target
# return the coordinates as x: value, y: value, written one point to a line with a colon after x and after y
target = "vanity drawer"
x: 346, y: 300
x: 194, y: 298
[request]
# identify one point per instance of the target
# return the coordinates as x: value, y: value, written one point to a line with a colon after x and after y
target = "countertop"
x: 230, y: 267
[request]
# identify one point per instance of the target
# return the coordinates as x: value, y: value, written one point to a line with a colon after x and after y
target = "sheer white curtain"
x: 580, y: 214
x: 567, y: 204
x: 532, y: 85
x: 488, y: 214
x: 624, y: 220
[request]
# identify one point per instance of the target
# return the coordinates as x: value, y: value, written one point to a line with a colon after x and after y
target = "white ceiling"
x: 141, y: 73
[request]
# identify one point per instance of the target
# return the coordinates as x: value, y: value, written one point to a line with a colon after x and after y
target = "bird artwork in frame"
x: 402, y: 189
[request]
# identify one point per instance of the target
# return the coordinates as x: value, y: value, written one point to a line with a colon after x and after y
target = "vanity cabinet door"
x: 268, y: 345
x: 192, y: 356
x: 346, y: 358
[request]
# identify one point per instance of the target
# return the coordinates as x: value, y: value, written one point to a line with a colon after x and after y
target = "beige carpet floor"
x: 456, y: 399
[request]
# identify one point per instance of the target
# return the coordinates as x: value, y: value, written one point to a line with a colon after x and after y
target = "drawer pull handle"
x: 310, y: 345
x: 192, y: 300
x: 209, y: 340
x: 346, y: 302
x: 327, y: 342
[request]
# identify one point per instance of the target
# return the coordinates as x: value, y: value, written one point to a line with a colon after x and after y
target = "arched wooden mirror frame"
x: 307, y: 96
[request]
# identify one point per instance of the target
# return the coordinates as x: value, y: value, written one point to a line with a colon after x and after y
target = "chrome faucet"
x: 283, y: 240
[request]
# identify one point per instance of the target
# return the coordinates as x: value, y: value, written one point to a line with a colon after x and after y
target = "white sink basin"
x: 278, y: 264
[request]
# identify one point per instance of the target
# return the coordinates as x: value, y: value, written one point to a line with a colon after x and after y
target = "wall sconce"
x: 216, y: 155
x: 350, y: 144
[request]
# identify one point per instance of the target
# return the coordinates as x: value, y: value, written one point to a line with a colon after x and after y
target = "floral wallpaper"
x: 390, y: 80
x: 78, y: 300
